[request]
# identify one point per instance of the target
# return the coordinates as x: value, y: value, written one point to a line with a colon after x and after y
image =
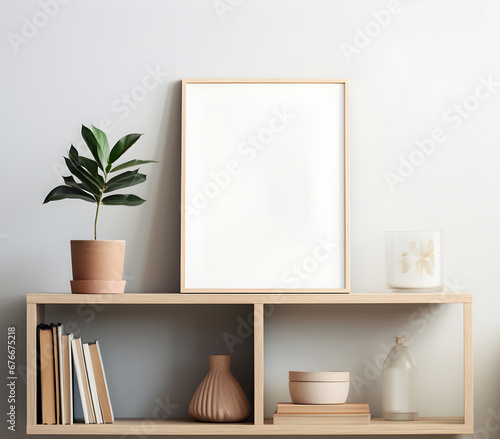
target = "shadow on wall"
x: 161, y: 269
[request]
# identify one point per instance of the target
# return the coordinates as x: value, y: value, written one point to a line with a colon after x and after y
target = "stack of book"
x: 288, y: 413
x: 59, y: 356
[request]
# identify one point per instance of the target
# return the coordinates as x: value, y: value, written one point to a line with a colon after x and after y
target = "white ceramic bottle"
x: 399, y: 384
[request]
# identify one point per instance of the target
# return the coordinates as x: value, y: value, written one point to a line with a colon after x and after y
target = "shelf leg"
x: 34, y: 315
x: 468, y: 376
x: 258, y: 342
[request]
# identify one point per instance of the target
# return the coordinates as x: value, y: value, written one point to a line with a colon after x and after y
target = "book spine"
x: 80, y: 376
x: 57, y: 391
x: 92, y: 384
x: 61, y: 377
x: 107, y: 400
x: 70, y: 402
x: 47, y: 385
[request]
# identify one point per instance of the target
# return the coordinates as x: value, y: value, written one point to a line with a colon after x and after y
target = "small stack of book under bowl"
x: 319, y: 398
x: 289, y: 413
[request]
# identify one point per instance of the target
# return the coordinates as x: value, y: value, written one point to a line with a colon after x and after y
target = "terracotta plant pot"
x: 219, y: 397
x: 97, y: 266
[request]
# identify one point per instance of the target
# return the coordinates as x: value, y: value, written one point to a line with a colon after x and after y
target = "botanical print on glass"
x: 414, y: 260
x: 420, y: 258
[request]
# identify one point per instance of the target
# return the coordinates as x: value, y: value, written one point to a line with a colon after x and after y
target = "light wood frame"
x: 341, y: 288
x: 36, y: 304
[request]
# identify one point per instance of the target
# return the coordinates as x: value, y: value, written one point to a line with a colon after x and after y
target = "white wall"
x: 408, y: 80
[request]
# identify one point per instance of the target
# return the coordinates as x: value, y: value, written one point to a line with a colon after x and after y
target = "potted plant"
x: 98, y: 264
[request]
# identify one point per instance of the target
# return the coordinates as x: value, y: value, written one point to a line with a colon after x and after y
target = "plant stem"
x: 99, y: 205
x: 96, y: 215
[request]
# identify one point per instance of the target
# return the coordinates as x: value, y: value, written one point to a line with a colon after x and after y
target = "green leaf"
x: 127, y: 179
x: 70, y: 181
x: 98, y: 182
x: 131, y: 163
x: 83, y: 175
x: 102, y: 140
x: 122, y: 145
x: 62, y: 192
x: 92, y: 144
x: 89, y: 164
x: 73, y: 153
x: 122, y: 200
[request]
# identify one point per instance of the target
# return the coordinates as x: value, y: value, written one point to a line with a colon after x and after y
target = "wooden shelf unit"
x: 260, y: 426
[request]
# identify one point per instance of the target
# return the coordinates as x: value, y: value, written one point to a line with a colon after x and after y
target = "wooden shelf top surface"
x: 451, y: 425
x: 274, y: 298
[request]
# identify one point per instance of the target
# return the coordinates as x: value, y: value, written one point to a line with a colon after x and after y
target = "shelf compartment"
x: 190, y: 427
x: 357, y: 338
x: 175, y: 372
x: 260, y: 426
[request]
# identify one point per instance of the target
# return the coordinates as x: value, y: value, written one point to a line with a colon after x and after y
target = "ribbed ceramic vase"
x: 219, y: 397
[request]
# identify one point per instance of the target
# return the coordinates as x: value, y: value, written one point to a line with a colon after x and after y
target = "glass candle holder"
x: 414, y: 260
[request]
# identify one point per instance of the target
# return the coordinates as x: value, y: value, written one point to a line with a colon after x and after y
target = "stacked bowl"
x: 318, y: 387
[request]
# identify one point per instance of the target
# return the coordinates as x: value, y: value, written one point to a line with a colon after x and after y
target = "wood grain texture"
x: 258, y: 345
x: 347, y: 269
x: 264, y: 81
x: 189, y: 427
x: 31, y: 394
x: 449, y: 425
x: 183, y: 186
x: 468, y: 375
x: 347, y: 253
x: 275, y: 298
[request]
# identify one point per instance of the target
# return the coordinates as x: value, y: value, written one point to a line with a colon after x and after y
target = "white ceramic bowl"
x: 318, y: 387
x: 318, y: 392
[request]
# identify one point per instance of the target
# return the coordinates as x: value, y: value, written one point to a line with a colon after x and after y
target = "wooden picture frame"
x: 265, y: 186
